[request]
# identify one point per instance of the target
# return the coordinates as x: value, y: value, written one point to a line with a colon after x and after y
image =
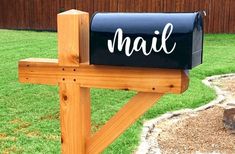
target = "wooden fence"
x: 41, y: 14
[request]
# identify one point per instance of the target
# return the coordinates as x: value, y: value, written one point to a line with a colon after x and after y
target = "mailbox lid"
x: 145, y: 23
x: 185, y: 31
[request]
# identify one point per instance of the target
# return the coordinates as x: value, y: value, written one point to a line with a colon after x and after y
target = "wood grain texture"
x: 73, y: 37
x: 75, y: 117
x: 71, y: 117
x: 73, y: 42
x: 184, y: 80
x: 137, y: 106
x: 68, y: 38
x: 111, y: 77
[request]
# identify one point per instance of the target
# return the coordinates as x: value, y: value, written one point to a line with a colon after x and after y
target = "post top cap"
x: 72, y: 12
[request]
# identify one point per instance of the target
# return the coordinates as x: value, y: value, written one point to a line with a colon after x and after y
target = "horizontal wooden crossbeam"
x: 47, y: 71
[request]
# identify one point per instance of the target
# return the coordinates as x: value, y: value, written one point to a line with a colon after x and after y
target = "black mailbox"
x: 162, y: 40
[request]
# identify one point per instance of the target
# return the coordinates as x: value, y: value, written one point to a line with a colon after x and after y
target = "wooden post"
x: 73, y: 35
x: 75, y: 76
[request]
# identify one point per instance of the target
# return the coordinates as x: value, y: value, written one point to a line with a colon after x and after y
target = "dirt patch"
x: 21, y: 125
x: 2, y: 135
x: 16, y: 121
x: 54, y: 116
x: 5, y: 137
x: 33, y: 134
x: 52, y: 137
x: 201, y: 132
x: 12, y: 149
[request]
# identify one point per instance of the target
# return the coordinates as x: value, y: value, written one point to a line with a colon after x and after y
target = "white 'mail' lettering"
x: 165, y: 38
x: 121, y: 42
x: 154, y: 43
x: 140, y: 44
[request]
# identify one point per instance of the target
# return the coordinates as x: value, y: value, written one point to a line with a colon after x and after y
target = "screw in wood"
x: 171, y: 86
x: 65, y: 98
x: 61, y: 140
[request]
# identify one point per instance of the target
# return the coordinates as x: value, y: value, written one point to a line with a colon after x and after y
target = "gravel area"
x: 227, y: 84
x: 201, y: 132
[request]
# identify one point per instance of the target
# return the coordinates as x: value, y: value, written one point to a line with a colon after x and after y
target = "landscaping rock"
x: 229, y: 119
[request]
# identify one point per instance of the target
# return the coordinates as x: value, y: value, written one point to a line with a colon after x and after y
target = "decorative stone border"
x: 149, y: 144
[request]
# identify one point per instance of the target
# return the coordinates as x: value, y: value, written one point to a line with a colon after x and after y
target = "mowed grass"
x: 29, y: 114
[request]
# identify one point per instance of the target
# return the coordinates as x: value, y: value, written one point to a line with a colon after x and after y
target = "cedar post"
x: 73, y: 48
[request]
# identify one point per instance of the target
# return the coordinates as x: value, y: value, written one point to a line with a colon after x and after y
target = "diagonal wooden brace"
x: 137, y: 106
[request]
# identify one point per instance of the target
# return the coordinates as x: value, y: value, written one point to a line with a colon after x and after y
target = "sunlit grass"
x: 29, y: 114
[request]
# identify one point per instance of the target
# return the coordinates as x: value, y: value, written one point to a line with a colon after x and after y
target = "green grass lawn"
x: 29, y: 114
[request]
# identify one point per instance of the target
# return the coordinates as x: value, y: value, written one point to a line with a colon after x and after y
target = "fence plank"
x: 232, y: 17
